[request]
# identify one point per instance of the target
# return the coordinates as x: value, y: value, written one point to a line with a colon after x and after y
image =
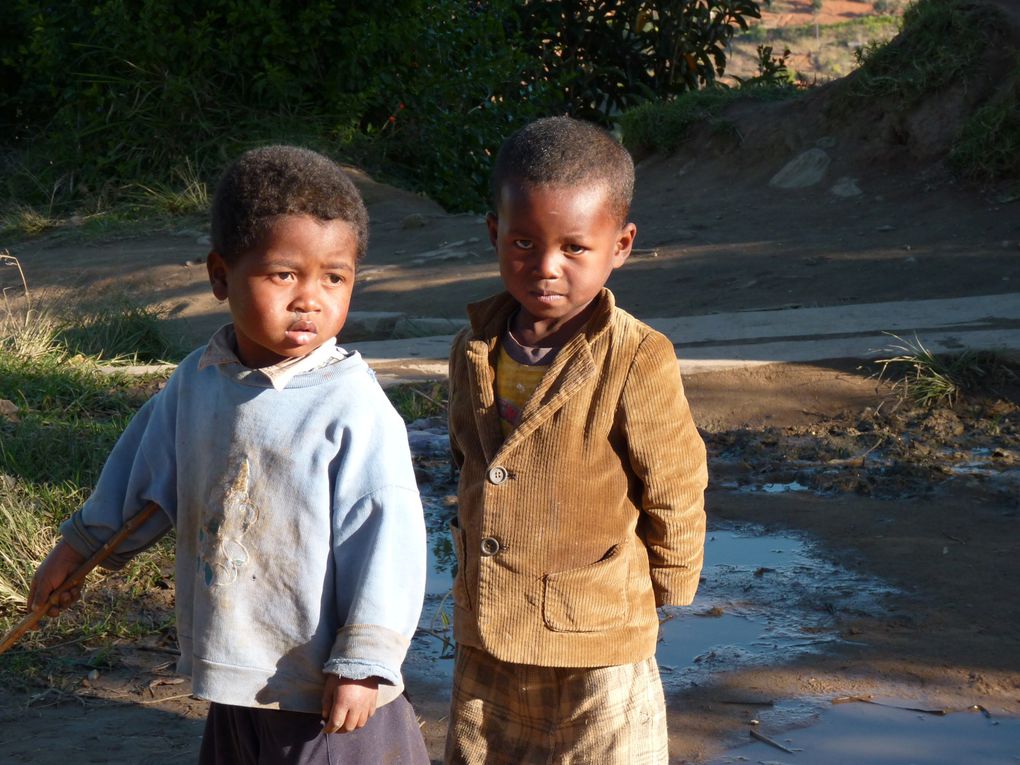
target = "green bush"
x: 940, y: 42
x: 143, y: 90
x: 663, y: 125
x: 615, y: 54
x: 101, y: 97
x: 988, y: 146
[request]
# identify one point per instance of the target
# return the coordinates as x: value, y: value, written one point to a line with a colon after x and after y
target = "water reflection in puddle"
x: 761, y: 596
x: 439, y: 578
x: 851, y: 734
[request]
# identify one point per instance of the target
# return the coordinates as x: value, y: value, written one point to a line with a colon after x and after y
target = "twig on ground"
x: 771, y: 742
x: 869, y: 700
x: 168, y: 698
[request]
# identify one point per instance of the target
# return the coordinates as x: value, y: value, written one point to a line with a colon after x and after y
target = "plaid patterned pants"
x: 520, y: 714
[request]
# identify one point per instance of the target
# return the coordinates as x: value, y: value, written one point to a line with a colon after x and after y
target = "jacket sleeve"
x: 667, y: 454
x: 379, y: 553
x: 140, y: 468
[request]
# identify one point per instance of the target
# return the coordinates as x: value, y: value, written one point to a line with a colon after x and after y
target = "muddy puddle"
x: 763, y: 597
x: 855, y: 733
x: 885, y: 454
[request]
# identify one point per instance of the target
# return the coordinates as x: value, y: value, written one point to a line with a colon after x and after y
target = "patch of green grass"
x: 23, y: 220
x: 141, y: 210
x: 988, y: 146
x: 930, y: 379
x: 69, y: 414
x: 66, y: 388
x: 187, y: 194
x: 53, y: 450
x: 415, y: 401
x: 111, y: 328
x: 117, y: 330
x: 111, y: 224
x: 662, y: 126
x: 941, y: 42
x: 26, y: 536
x: 63, y: 418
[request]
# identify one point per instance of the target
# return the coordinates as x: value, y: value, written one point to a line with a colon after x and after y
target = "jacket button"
x: 497, y: 475
x: 490, y: 546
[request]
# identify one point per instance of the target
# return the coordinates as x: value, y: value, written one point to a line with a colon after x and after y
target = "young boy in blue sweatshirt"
x: 582, y: 475
x: 286, y: 473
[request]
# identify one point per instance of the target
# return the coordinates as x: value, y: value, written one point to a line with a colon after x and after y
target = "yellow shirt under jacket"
x: 591, y: 512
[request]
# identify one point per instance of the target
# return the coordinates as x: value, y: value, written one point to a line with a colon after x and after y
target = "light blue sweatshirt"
x: 300, y: 537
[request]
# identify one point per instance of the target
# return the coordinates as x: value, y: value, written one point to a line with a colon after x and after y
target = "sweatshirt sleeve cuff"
x: 76, y: 534
x: 368, y: 650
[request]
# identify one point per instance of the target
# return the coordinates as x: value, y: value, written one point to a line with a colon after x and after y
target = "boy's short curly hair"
x: 563, y: 151
x: 265, y: 183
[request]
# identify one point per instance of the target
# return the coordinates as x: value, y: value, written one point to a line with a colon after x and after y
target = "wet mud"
x: 809, y: 593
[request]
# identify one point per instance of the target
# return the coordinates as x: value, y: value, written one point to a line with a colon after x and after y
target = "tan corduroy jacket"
x: 591, y: 512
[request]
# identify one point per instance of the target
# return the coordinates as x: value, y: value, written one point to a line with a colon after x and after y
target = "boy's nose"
x: 306, y: 299
x: 547, y: 264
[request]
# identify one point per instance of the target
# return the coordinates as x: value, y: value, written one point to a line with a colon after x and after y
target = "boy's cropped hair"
x: 265, y: 183
x: 562, y: 151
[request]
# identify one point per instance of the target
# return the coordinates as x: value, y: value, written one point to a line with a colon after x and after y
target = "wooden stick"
x: 771, y: 742
x: 78, y: 576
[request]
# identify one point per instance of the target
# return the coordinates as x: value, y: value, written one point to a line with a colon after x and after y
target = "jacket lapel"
x: 482, y: 372
x: 570, y: 371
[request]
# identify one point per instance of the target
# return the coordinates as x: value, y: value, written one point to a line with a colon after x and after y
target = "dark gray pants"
x: 245, y: 736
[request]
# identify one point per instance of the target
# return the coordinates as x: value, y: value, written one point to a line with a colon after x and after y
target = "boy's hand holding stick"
x: 75, y: 579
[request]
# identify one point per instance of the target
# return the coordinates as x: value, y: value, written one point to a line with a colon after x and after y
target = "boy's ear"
x: 216, y: 267
x: 492, y: 223
x: 624, y: 244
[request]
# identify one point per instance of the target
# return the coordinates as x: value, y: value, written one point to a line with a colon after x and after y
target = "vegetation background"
x: 103, y: 99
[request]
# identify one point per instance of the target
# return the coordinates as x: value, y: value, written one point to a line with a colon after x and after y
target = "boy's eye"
x: 284, y: 276
x: 523, y: 244
x: 574, y: 249
x: 334, y: 279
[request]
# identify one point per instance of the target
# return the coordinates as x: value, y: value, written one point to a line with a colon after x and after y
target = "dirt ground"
x: 888, y: 493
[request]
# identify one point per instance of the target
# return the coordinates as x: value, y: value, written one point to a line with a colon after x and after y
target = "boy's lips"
x: 302, y: 331
x: 546, y: 297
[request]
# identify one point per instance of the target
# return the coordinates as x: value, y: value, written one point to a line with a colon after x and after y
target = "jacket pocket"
x: 592, y: 598
x: 460, y: 590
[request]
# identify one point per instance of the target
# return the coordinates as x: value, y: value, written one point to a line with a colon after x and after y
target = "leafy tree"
x: 614, y: 54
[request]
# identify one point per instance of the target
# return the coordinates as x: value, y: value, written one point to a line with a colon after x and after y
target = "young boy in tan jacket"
x: 582, y: 475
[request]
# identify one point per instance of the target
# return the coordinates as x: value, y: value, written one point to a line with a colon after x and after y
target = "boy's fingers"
x: 335, y: 719
x: 334, y: 725
x: 38, y: 594
x: 64, y: 600
x: 352, y: 721
x: 347, y: 721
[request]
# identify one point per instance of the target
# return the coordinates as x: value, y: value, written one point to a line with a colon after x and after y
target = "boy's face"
x: 557, y: 246
x: 290, y: 292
